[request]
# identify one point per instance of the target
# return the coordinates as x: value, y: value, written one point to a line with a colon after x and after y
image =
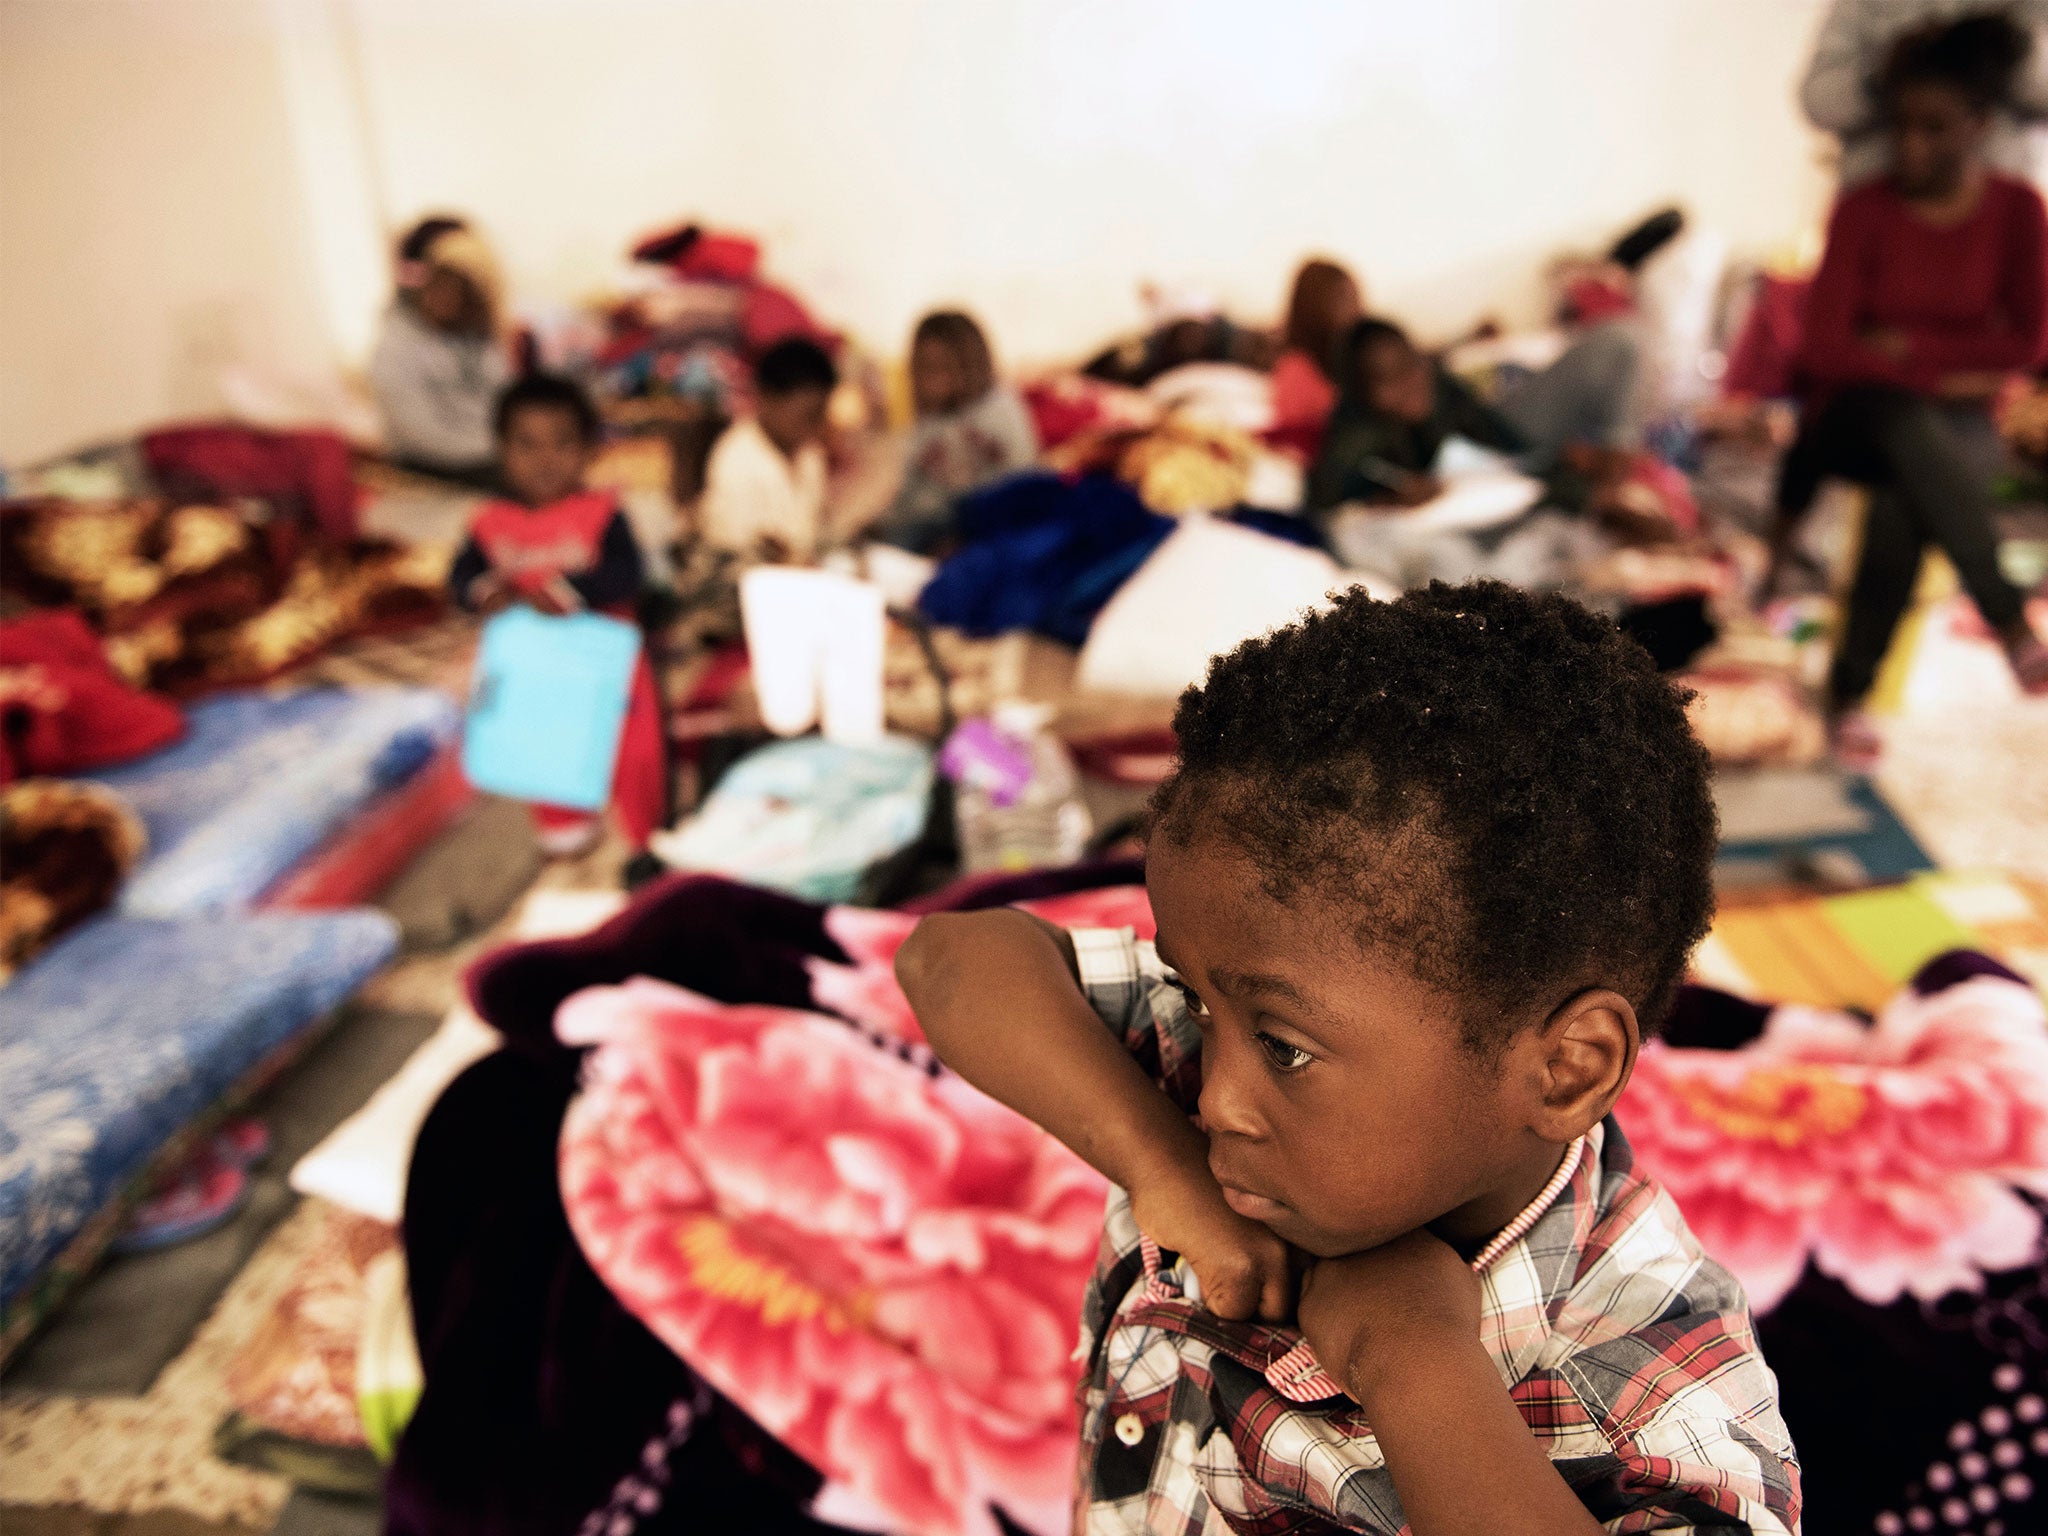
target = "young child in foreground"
x: 562, y: 549
x: 1426, y: 875
x: 764, y: 484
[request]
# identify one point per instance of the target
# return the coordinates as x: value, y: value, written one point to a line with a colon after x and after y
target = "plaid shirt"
x: 1627, y: 1350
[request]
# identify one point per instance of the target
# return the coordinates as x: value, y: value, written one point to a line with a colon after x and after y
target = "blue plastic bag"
x: 547, y: 705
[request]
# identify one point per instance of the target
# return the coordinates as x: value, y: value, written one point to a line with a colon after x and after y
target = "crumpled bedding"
x: 881, y: 1266
x: 63, y: 709
x: 1041, y: 553
x: 64, y: 850
x: 190, y: 597
x: 546, y: 1402
x: 1894, y: 1155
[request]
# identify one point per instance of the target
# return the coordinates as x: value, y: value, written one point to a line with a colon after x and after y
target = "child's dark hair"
x: 1496, y: 785
x: 547, y: 392
x: 414, y: 244
x: 793, y: 365
x: 963, y: 336
x: 1361, y: 338
x: 1979, y: 56
x: 1318, y: 284
x: 1372, y: 331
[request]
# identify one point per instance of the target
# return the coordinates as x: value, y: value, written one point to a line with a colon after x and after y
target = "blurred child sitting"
x: 562, y: 549
x: 1568, y: 425
x: 971, y: 429
x: 440, y: 362
x: 764, y: 487
x: 1399, y: 406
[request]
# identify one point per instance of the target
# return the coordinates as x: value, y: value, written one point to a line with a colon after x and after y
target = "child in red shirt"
x: 563, y: 549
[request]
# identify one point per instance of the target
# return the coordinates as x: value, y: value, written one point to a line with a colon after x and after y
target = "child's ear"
x: 1585, y: 1050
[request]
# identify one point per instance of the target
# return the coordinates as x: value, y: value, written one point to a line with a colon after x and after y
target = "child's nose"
x: 1225, y: 1103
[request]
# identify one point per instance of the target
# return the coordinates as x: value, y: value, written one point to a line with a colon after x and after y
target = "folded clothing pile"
x: 686, y: 336
x: 807, y: 816
x: 1042, y: 553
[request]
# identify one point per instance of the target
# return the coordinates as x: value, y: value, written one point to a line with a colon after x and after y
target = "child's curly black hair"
x: 1498, y: 786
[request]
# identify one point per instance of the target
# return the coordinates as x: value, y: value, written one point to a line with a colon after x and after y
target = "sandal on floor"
x: 1855, y: 742
x: 192, y: 1199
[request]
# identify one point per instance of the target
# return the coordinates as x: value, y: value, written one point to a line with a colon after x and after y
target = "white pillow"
x: 1209, y: 587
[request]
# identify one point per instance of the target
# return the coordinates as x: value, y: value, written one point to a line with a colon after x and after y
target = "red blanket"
x: 62, y: 708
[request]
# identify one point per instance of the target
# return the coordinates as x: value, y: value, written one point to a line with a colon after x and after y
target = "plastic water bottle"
x: 1018, y: 802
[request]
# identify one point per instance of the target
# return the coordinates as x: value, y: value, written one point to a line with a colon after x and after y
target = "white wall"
x: 1034, y: 160
x: 151, y: 226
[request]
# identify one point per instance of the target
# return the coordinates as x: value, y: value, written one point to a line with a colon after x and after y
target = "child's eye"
x: 1187, y: 996
x: 1285, y: 1057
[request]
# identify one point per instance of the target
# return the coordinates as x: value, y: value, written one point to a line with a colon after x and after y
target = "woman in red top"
x: 1934, y: 288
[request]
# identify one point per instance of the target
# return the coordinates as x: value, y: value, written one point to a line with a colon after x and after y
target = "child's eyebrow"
x: 1265, y: 983
x: 1229, y: 980
x: 1256, y: 982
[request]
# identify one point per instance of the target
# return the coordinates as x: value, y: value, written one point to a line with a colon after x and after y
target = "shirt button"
x: 1130, y: 1428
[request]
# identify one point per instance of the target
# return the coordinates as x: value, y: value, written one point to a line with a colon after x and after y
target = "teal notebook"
x: 546, y: 707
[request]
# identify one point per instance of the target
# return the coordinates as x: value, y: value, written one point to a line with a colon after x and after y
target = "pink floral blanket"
x: 1890, y: 1154
x: 885, y: 1268
x: 879, y: 1264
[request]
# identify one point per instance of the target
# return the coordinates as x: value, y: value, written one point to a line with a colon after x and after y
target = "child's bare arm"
x: 1001, y: 1003
x: 1399, y: 1326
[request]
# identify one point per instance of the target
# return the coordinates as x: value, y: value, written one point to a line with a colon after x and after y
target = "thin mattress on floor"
x: 128, y: 1030
x: 261, y: 780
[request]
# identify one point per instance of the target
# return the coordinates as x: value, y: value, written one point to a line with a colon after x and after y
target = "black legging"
x: 1919, y: 459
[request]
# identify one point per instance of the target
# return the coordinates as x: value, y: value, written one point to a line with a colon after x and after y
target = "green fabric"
x: 1900, y: 928
x: 388, y: 1375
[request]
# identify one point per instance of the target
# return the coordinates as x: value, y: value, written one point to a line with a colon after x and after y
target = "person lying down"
x: 1402, y: 424
x: 1426, y: 874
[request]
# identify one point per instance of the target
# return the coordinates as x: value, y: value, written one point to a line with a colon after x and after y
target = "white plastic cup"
x: 776, y: 611
x: 815, y: 642
x: 850, y: 664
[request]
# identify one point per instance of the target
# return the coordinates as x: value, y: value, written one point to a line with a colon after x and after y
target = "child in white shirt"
x: 764, y: 487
